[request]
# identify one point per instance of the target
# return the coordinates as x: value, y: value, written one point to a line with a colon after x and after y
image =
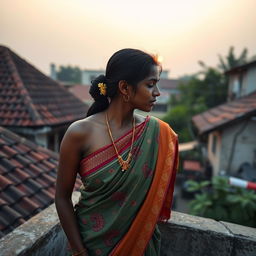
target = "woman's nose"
x: 156, y: 91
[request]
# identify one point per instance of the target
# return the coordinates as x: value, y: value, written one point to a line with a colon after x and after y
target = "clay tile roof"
x: 81, y: 91
x: 30, y: 98
x: 27, y: 179
x: 225, y: 114
x: 241, y: 67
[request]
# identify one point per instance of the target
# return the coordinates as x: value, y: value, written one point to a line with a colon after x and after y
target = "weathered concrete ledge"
x: 184, y: 235
x: 187, y: 235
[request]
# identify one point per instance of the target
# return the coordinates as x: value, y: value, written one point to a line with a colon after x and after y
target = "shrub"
x: 222, y: 202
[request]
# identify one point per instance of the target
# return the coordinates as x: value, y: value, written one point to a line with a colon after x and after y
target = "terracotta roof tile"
x: 9, y: 151
x: 225, y: 114
x: 7, y: 164
x: 4, y: 182
x: 30, y: 98
x: 27, y: 179
x: 14, y: 193
x: 18, y: 175
x: 9, y: 216
x: 25, y: 189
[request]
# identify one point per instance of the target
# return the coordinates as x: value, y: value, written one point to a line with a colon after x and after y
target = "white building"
x: 228, y: 131
x: 89, y: 75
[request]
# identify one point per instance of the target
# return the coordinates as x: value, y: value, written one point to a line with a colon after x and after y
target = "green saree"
x: 111, y: 198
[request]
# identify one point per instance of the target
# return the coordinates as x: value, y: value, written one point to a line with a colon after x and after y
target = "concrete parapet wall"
x: 183, y: 235
x: 187, y: 235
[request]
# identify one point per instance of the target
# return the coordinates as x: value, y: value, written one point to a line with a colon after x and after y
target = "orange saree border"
x: 157, y: 204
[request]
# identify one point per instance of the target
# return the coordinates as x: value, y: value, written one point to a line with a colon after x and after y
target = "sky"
x: 86, y: 33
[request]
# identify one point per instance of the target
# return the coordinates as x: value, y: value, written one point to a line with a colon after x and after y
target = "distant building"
x: 89, y: 75
x: 242, y: 80
x: 34, y: 105
x: 228, y: 130
x: 168, y: 88
x: 53, y: 72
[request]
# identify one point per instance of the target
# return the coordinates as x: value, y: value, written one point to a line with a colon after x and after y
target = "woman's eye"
x: 151, y: 85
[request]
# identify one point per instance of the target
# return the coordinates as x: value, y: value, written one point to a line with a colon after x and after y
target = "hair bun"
x: 95, y: 90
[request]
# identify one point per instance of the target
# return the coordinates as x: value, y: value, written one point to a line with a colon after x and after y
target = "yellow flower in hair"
x: 102, y: 88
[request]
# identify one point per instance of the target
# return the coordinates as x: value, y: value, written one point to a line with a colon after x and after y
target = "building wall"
x: 50, y: 140
x: 244, y: 147
x: 41, y: 139
x: 213, y: 150
x: 89, y: 75
x: 165, y: 74
x: 242, y: 83
x: 249, y: 82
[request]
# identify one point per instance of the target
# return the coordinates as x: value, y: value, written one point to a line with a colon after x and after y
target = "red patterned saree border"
x: 106, y: 154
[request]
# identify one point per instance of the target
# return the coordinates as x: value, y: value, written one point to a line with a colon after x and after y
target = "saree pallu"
x: 118, y: 211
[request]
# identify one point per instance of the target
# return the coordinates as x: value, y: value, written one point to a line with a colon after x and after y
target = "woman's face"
x: 147, y: 91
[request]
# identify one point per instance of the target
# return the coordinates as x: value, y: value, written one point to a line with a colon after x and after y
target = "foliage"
x: 202, y: 91
x: 69, y: 74
x: 179, y: 122
x: 219, y: 201
x: 231, y: 60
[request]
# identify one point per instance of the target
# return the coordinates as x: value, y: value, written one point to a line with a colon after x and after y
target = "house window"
x: 214, y: 143
x: 51, y: 141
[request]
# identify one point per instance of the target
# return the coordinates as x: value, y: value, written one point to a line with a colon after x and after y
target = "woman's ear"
x: 123, y: 87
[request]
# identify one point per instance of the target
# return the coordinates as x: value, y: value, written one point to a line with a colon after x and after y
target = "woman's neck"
x: 120, y: 114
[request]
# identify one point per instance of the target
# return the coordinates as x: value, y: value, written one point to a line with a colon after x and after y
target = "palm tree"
x: 231, y: 60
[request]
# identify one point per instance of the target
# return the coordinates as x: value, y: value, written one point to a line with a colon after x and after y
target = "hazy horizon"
x: 86, y: 33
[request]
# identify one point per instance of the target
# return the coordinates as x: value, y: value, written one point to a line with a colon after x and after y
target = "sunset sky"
x: 86, y: 33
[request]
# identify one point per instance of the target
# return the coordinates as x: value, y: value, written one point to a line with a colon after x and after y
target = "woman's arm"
x: 70, y: 152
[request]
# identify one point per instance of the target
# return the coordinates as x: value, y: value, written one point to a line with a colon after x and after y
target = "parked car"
x: 247, y: 172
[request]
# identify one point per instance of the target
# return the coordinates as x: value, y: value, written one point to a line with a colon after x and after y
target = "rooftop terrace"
x: 182, y: 235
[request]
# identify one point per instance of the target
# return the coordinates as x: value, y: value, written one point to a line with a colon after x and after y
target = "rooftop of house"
x: 30, y: 98
x: 81, y: 91
x: 242, y: 67
x: 27, y: 179
x: 225, y: 114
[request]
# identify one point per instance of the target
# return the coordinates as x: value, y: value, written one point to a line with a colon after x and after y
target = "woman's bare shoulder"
x: 79, y: 129
x: 82, y: 128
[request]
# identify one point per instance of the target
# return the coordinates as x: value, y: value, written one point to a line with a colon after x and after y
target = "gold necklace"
x: 125, y: 164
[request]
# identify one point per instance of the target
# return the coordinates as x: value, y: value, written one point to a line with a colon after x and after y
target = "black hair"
x: 131, y: 65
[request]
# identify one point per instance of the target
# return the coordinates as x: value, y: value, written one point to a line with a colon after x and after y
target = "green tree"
x: 177, y: 118
x: 202, y: 91
x: 231, y: 61
x: 69, y: 74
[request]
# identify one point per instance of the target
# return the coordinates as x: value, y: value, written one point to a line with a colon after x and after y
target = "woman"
x: 127, y: 164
